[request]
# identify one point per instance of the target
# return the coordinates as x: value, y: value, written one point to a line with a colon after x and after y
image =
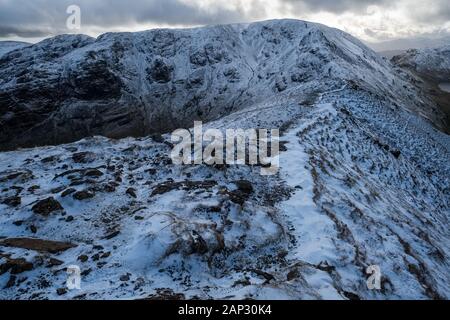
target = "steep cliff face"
x: 434, y: 62
x: 429, y: 71
x: 133, y: 84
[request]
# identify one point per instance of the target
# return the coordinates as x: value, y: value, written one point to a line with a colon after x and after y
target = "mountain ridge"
x: 133, y: 84
x: 363, y: 179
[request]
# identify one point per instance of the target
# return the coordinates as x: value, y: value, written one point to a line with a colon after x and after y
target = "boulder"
x: 47, y: 206
x: 37, y: 244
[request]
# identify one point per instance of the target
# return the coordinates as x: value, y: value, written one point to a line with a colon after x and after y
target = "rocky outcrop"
x: 37, y: 244
x: 47, y: 206
x: 427, y: 69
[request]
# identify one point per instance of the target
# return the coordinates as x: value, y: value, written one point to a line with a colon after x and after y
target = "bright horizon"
x: 381, y: 24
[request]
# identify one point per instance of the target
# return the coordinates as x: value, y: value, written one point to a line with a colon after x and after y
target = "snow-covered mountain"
x: 132, y: 84
x: 434, y: 62
x: 364, y: 174
x: 429, y: 70
x: 8, y: 46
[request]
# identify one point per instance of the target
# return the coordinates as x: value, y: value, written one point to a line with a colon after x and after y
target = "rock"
x: 11, y: 282
x: 198, y: 58
x: 293, y: 274
x: 125, y: 277
x: 57, y: 189
x: 95, y: 257
x: 93, y: 173
x: 17, y: 176
x: 69, y: 219
x: 325, y: 266
x: 61, y: 291
x: 160, y: 72
x: 13, y: 201
x: 47, y: 206
x: 185, y: 185
x: 54, y: 262
x: 112, y: 235
x: 86, y: 272
x: 396, y: 153
x: 37, y: 244
x: 263, y: 274
x: 83, y: 258
x: 198, y: 244
x: 68, y: 192
x: 166, y: 294
x: 33, y: 188
x: 244, y: 186
x: 243, y: 192
x: 83, y: 195
x: 83, y: 157
x: 281, y: 84
x: 157, y: 138
x: 17, y: 189
x: 131, y: 192
x: 33, y: 229
x: 237, y: 197
x: 244, y: 283
x: 283, y: 147
x: 351, y: 296
x: 71, y: 149
x: 109, y: 187
x: 49, y: 159
x: 16, y: 266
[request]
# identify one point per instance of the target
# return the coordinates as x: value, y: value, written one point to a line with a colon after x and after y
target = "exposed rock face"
x: 37, y: 244
x: 15, y: 266
x: 133, y: 84
x: 434, y: 63
x: 47, y: 206
x: 429, y: 68
x: 83, y: 195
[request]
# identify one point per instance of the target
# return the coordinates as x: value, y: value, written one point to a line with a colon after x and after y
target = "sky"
x: 385, y: 24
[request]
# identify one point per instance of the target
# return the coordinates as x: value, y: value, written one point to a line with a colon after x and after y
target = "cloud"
x: 334, y: 6
x: 8, y: 31
x: 432, y: 11
x: 20, y: 17
x: 371, y: 20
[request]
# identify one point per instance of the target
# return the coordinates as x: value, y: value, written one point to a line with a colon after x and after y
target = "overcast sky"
x: 370, y: 20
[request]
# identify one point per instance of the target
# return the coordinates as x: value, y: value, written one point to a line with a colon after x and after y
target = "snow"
x: 364, y: 179
x: 313, y: 229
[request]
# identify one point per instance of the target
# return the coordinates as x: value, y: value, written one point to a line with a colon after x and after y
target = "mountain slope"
x: 133, y: 84
x: 364, y: 180
x: 429, y: 70
x: 8, y: 46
